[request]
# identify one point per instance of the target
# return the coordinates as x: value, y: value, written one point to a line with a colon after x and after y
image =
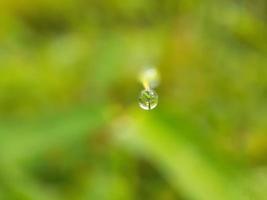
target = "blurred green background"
x: 70, y: 124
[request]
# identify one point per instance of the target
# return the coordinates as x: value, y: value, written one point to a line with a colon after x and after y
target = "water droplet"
x: 148, y: 99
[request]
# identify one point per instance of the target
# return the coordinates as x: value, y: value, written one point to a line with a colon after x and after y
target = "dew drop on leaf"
x: 148, y: 99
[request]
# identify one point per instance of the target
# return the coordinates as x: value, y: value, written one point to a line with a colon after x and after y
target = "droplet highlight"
x: 148, y: 99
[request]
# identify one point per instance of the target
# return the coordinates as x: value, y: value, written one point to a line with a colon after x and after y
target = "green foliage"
x: 71, y: 127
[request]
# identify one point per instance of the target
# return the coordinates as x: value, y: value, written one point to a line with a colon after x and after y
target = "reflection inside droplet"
x: 148, y: 99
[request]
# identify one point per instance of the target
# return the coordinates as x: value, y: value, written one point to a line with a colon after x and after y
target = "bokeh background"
x: 70, y: 124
